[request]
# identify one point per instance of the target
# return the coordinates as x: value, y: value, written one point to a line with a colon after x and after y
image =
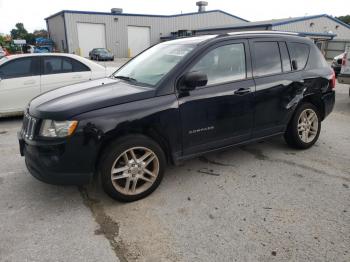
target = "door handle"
x: 76, y: 77
x: 242, y: 91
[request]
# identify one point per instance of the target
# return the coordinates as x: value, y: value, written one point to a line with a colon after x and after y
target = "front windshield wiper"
x: 126, y: 78
x: 133, y: 80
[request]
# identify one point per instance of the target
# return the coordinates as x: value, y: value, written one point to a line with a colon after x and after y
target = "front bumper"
x: 58, y: 163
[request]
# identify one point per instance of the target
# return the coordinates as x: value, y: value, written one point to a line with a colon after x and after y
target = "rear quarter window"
x: 299, y: 52
x: 316, y: 59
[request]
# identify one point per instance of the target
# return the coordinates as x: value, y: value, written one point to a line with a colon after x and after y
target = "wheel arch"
x: 148, y: 132
x: 316, y: 100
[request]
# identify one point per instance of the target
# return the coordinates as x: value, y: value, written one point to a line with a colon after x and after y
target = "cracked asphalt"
x: 260, y: 202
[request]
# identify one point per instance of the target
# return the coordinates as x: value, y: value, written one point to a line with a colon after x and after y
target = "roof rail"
x: 264, y: 32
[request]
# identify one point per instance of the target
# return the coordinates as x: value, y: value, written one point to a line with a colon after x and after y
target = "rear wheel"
x: 304, y: 128
x: 132, y: 168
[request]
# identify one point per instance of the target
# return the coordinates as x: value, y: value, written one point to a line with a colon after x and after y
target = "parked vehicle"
x: 101, y: 54
x: 337, y: 63
x: 344, y: 76
x: 177, y: 100
x: 23, y: 77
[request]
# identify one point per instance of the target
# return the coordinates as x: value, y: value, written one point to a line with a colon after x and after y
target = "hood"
x: 65, y: 102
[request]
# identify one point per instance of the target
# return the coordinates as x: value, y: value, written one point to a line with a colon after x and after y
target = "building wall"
x: 116, y: 27
x: 321, y: 25
x: 57, y: 32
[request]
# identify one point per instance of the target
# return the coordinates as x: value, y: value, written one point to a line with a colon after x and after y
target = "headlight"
x: 51, y: 128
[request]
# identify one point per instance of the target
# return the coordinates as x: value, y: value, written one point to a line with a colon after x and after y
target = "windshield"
x: 153, y: 64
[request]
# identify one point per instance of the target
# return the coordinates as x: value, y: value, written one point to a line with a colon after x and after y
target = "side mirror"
x: 294, y: 65
x: 191, y: 80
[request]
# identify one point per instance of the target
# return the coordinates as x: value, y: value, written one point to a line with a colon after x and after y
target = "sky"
x: 32, y: 13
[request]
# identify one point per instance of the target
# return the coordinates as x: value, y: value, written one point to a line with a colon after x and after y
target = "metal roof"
x: 146, y: 15
x: 273, y: 22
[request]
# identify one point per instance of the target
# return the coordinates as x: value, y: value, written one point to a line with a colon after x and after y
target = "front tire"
x: 304, y: 128
x: 132, y: 168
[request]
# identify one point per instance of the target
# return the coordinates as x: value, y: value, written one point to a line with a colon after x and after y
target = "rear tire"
x: 304, y: 128
x: 132, y: 167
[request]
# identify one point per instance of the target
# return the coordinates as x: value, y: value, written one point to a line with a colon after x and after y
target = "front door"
x: 220, y: 113
x: 19, y: 83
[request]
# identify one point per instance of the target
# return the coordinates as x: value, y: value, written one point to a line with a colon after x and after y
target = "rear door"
x: 276, y: 84
x: 58, y: 71
x: 220, y: 113
x: 19, y: 83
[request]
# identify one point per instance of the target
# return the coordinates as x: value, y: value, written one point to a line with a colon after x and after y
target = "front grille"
x: 28, y: 126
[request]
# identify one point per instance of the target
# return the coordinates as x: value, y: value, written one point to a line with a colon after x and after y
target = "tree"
x: 345, y: 19
x: 41, y: 33
x: 2, y: 40
x: 19, y: 32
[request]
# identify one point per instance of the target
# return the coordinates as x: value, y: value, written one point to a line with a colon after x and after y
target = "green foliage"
x: 19, y: 32
x: 2, y: 40
x: 41, y: 33
x: 345, y: 19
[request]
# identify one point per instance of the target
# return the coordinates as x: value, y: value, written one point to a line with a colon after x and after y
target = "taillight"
x: 332, y: 81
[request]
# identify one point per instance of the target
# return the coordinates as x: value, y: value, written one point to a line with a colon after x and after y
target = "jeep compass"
x: 178, y: 100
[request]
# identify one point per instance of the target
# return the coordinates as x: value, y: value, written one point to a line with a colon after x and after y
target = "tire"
x: 141, y: 184
x: 294, y: 134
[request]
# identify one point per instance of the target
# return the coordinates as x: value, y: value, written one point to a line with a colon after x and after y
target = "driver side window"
x: 223, y: 64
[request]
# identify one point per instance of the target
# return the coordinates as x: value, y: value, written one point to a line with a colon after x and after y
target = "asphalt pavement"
x: 260, y: 202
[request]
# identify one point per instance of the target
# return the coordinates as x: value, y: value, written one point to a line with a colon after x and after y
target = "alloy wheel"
x: 135, y: 171
x: 308, y: 125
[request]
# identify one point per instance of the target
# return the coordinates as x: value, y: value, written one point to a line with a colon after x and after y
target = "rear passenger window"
x: 286, y: 66
x: 223, y: 64
x: 267, y: 58
x: 56, y: 65
x: 60, y: 65
x: 300, y: 53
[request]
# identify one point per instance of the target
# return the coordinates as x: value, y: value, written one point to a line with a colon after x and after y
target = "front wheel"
x: 304, y: 128
x: 132, y: 168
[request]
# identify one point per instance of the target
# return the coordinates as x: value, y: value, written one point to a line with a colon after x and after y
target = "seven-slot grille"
x: 29, y: 126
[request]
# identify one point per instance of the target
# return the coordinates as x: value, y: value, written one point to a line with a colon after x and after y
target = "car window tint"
x: 267, y: 58
x: 300, y: 53
x: 67, y: 66
x: 286, y: 65
x: 223, y: 64
x: 56, y: 65
x: 17, y: 68
x: 78, y: 66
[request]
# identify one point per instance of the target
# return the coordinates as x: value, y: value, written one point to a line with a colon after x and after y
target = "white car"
x: 23, y: 77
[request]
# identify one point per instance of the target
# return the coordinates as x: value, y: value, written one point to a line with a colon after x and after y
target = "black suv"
x: 177, y: 100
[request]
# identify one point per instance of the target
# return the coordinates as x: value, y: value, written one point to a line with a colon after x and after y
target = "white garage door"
x: 91, y: 36
x: 139, y: 38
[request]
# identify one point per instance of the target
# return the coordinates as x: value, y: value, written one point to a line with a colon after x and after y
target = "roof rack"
x: 265, y: 32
